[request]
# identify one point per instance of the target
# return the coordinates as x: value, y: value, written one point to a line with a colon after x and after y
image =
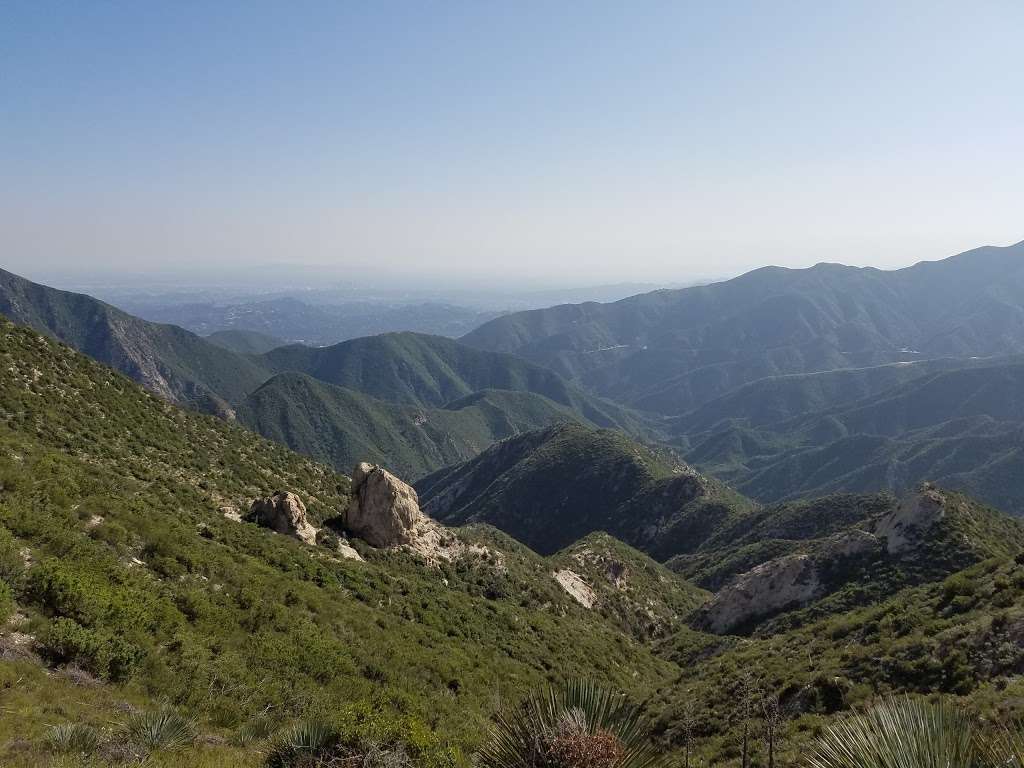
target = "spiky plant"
x: 161, y: 728
x: 73, y: 737
x: 899, y: 733
x: 576, y: 725
x: 256, y: 730
x: 303, y: 742
x: 1004, y: 749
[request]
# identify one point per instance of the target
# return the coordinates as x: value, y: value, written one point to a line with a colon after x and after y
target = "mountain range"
x: 809, y: 517
x: 673, y: 350
x: 129, y: 578
x: 315, y: 324
x: 439, y: 400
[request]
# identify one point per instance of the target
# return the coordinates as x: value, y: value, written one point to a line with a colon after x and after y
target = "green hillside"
x: 342, y: 427
x: 840, y: 552
x: 780, y: 398
x: 960, y: 428
x: 432, y: 371
x: 958, y: 637
x: 552, y: 487
x: 175, y: 364
x: 630, y: 588
x: 673, y: 350
x: 392, y: 382
x: 130, y: 570
x: 124, y: 584
x: 245, y: 342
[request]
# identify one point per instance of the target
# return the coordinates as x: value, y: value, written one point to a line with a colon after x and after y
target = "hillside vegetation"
x: 169, y: 361
x: 962, y: 428
x: 431, y: 371
x: 391, y: 380
x: 552, y: 487
x: 245, y: 342
x: 343, y: 427
x: 130, y: 570
x: 127, y: 583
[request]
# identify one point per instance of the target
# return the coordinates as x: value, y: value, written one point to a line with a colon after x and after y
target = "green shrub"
x: 364, y: 736
x: 256, y: 730
x: 65, y: 641
x: 313, y: 741
x: 12, y: 565
x: 6, y: 602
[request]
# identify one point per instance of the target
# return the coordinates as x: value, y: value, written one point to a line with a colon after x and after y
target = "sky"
x: 522, y: 142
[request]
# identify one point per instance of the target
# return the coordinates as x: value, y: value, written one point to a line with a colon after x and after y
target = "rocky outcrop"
x: 910, y: 521
x: 786, y: 582
x: 284, y: 513
x: 577, y: 588
x: 348, y: 552
x: 384, y: 511
x: 768, y: 588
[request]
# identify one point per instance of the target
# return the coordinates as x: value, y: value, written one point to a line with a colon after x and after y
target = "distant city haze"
x: 528, y: 144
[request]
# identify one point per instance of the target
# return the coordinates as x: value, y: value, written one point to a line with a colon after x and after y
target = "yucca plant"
x: 256, y: 730
x: 1004, y: 749
x: 900, y: 733
x: 162, y: 728
x: 73, y: 737
x: 576, y: 725
x: 303, y: 743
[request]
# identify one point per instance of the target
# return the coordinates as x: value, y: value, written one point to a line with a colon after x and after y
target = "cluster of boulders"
x: 384, y: 512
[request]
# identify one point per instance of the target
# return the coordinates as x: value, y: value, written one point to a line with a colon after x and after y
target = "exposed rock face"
x: 574, y: 584
x: 384, y: 512
x: 785, y: 582
x: 767, y: 588
x: 230, y: 512
x: 907, y: 524
x: 285, y: 513
x: 348, y: 552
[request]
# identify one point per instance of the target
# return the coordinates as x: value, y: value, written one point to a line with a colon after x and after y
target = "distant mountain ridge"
x: 552, y: 487
x: 245, y: 342
x: 672, y: 350
x: 343, y: 427
x: 432, y: 371
x: 411, y: 401
x: 169, y: 361
x: 962, y: 428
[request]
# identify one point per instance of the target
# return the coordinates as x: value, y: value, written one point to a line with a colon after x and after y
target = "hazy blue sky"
x: 562, y: 141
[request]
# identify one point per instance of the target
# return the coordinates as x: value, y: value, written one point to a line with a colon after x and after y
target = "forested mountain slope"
x: 432, y: 371
x: 393, y: 382
x: 170, y: 361
x: 124, y: 582
x: 962, y: 428
x: 343, y: 427
x: 671, y: 351
x: 551, y: 487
